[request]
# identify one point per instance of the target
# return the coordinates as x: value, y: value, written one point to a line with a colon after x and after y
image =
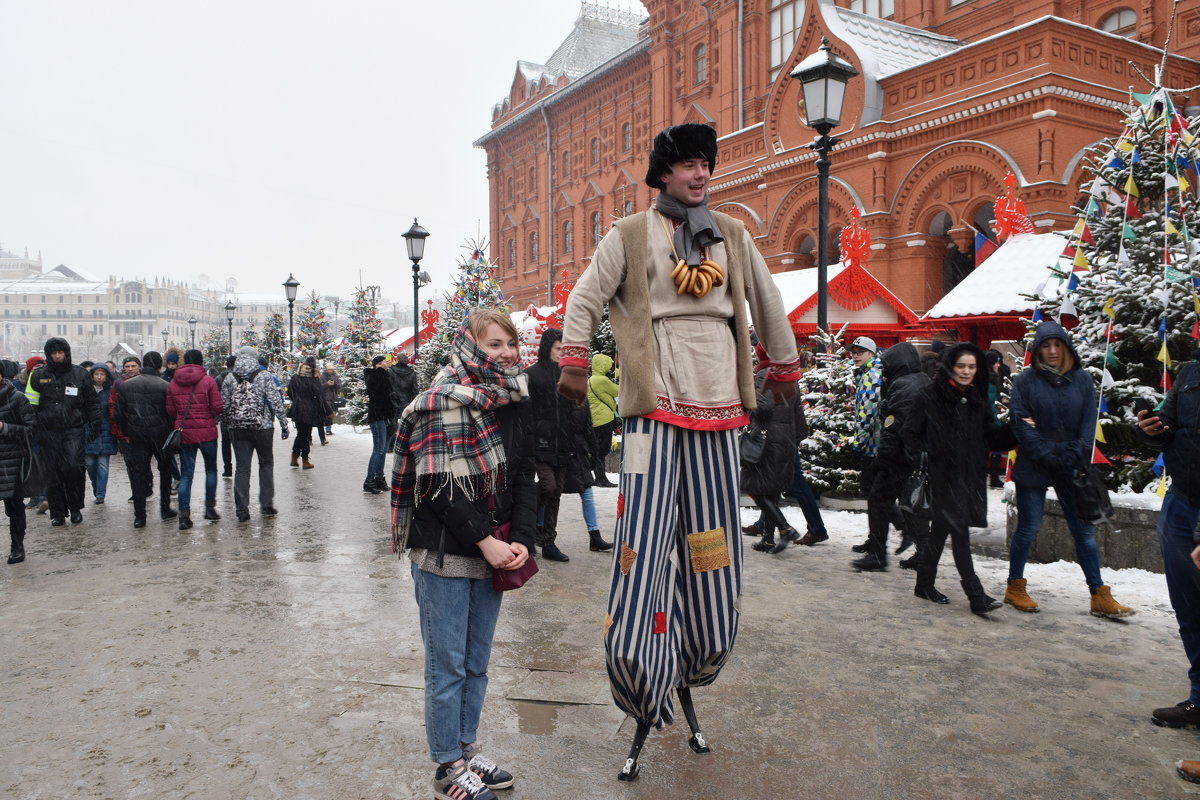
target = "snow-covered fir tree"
x: 828, y: 392
x: 1127, y: 275
x: 312, y: 337
x: 249, y: 337
x: 475, y: 286
x: 362, y: 341
x: 273, y: 342
x: 215, y: 346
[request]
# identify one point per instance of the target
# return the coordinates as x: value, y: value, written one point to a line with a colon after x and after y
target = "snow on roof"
x: 797, y: 286
x: 599, y: 34
x: 895, y: 47
x: 1020, y: 265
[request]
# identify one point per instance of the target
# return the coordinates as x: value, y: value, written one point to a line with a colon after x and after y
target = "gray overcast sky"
x: 255, y: 138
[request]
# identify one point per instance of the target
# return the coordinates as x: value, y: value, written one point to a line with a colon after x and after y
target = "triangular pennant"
x: 1177, y: 276
x: 1103, y: 405
x: 1100, y: 434
x: 1131, y: 186
x: 1161, y: 491
x: 1092, y: 209
x: 1086, y: 236
x: 1165, y: 383
x: 1110, y: 358
x: 1067, y: 307
x: 1028, y: 358
x: 1098, y: 457
x: 1037, y: 315
x: 1158, y: 465
x: 1195, y: 329
x: 1109, y: 309
x: 1162, y: 329
x: 1127, y: 233
x: 1099, y: 187
x: 1163, y: 355
x: 1170, y: 181
x: 1068, y: 251
x: 1183, y: 183
x: 1171, y: 227
x: 1142, y: 99
x: 1079, y: 263
x: 1165, y: 297
x: 1131, y: 209
x: 1106, y: 380
x: 1073, y: 282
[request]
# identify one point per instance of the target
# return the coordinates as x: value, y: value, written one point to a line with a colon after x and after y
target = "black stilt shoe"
x: 629, y: 772
x: 696, y: 740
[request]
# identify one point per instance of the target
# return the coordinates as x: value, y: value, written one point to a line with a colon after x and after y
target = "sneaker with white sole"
x: 492, y: 776
x: 460, y: 783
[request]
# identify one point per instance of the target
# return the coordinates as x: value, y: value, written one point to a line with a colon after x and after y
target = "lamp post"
x: 230, y: 310
x: 164, y: 334
x: 823, y: 77
x: 192, y: 329
x: 290, y: 286
x: 414, y: 240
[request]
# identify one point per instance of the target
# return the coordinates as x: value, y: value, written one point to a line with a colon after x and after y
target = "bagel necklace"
x: 698, y: 280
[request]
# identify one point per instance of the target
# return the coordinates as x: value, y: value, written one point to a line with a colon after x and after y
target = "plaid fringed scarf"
x: 449, y: 440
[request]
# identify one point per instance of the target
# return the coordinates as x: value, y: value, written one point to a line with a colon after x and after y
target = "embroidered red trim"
x: 573, y: 355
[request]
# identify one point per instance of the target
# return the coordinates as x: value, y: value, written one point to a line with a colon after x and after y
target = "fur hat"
x: 311, y: 362
x: 679, y: 143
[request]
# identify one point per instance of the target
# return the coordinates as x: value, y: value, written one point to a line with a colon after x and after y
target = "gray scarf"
x: 698, y: 229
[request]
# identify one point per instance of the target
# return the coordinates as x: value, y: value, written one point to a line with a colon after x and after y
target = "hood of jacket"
x: 245, y: 364
x: 952, y: 354
x: 305, y: 371
x: 1049, y: 329
x: 189, y: 375
x: 9, y: 369
x: 601, y: 364
x: 53, y: 345
x: 102, y: 368
x: 900, y: 359
x: 401, y: 368
x: 551, y: 336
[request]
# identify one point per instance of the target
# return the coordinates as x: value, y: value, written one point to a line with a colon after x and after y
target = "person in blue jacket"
x: 1052, y: 410
x: 98, y: 442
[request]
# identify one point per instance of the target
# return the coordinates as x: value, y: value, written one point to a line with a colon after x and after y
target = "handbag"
x: 752, y: 444
x: 1090, y: 495
x: 915, y: 495
x: 174, y: 441
x: 505, y: 579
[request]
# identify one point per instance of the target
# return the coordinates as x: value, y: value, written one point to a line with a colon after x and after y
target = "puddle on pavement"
x: 536, y: 718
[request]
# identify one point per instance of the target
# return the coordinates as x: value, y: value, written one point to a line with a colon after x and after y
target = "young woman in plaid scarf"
x: 462, y: 466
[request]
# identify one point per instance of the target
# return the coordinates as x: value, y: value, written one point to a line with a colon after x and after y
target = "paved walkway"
x: 280, y: 659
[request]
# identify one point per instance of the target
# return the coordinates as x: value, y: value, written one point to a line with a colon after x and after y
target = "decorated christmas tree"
x: 250, y: 337
x: 828, y: 392
x: 273, y: 342
x: 215, y: 346
x: 1127, y: 275
x: 362, y: 340
x: 475, y: 286
x: 313, y: 335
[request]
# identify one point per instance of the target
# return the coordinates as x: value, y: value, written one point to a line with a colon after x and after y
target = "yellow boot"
x: 1016, y: 596
x: 1103, y: 605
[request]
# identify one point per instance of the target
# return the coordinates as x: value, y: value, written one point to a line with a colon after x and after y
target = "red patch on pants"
x: 660, y: 622
x: 620, y: 504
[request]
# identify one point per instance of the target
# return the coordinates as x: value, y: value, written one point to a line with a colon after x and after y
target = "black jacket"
x: 142, y: 408
x: 1063, y: 408
x: 62, y: 395
x: 1181, y: 442
x: 308, y: 400
x: 379, y: 395
x: 903, y: 391
x: 784, y: 423
x: 17, y: 416
x: 553, y: 414
x: 956, y: 431
x: 449, y: 523
x: 403, y: 382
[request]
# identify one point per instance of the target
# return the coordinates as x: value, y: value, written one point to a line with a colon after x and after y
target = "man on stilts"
x: 678, y: 280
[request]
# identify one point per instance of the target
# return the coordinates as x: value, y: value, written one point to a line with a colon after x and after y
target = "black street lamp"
x: 290, y: 286
x: 230, y: 310
x: 164, y: 333
x: 823, y: 77
x: 192, y: 329
x: 414, y: 240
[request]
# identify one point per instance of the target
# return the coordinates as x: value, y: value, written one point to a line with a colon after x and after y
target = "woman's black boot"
x: 766, y: 544
x: 16, y: 553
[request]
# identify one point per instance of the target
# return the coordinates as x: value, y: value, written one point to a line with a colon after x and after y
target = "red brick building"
x: 951, y: 95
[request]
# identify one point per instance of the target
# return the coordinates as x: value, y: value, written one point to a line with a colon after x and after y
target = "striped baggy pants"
x: 674, y: 598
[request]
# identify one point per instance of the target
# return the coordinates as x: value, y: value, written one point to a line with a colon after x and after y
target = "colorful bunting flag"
x: 1131, y: 187
x: 1103, y: 405
x: 1158, y: 465
x: 1161, y: 491
x: 1079, y: 263
x: 1100, y: 433
x: 1108, y: 308
x: 1098, y: 457
x: 1067, y: 307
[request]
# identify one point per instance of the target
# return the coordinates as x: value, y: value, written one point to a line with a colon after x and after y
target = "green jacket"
x: 602, y: 392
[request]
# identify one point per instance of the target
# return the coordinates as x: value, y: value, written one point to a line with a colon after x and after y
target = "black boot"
x: 861, y: 548
x: 981, y: 603
x: 870, y: 563
x: 766, y: 544
x: 16, y: 553
x: 370, y: 487
x: 786, y: 536
x: 630, y: 771
x: 164, y: 507
x: 931, y: 594
x: 696, y: 741
x: 185, y: 520
x: 597, y: 543
x: 139, y: 511
x: 210, y: 510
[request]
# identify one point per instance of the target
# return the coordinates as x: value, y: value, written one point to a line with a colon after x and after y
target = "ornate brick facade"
x: 951, y: 96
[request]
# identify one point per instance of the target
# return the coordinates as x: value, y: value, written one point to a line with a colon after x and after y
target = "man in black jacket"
x: 403, y: 382
x: 142, y: 417
x: 554, y: 426
x: 903, y: 385
x: 1175, y: 429
x: 63, y: 396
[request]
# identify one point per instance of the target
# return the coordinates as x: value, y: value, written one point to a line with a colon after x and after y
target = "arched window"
x: 533, y: 181
x: 626, y: 137
x: 568, y: 238
x: 566, y: 164
x: 941, y: 224
x: 626, y: 208
x: 699, y: 64
x: 806, y: 253
x: 533, y: 247
x: 1122, y: 22
x: 596, y: 231
x: 512, y: 253
x: 595, y: 151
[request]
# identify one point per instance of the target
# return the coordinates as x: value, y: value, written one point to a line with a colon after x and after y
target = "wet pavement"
x: 279, y: 658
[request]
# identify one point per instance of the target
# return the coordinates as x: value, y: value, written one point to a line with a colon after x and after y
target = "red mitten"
x: 573, y: 383
x: 780, y: 390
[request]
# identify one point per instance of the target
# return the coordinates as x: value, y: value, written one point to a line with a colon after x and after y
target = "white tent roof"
x: 1019, y: 266
x: 798, y: 285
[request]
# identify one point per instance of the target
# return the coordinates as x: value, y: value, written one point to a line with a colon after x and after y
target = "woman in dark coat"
x: 446, y: 502
x: 767, y: 480
x: 554, y: 426
x: 380, y: 414
x: 955, y: 426
x: 308, y: 409
x: 98, y: 444
x: 16, y: 433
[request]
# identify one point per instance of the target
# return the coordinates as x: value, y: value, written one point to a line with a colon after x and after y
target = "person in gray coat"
x: 252, y: 402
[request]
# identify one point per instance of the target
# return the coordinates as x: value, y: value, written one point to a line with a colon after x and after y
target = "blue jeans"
x: 808, y: 500
x: 97, y: 470
x: 589, y: 512
x: 1031, y: 507
x: 458, y: 620
x: 187, y: 466
x: 378, y: 450
x: 1177, y: 531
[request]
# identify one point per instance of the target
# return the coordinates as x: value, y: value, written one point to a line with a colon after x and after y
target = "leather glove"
x: 283, y: 432
x: 780, y: 390
x: 572, y: 383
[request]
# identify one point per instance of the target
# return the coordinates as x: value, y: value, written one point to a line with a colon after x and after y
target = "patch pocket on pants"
x: 636, y: 458
x: 708, y: 550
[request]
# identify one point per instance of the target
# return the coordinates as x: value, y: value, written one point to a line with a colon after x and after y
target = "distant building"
x: 951, y: 96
